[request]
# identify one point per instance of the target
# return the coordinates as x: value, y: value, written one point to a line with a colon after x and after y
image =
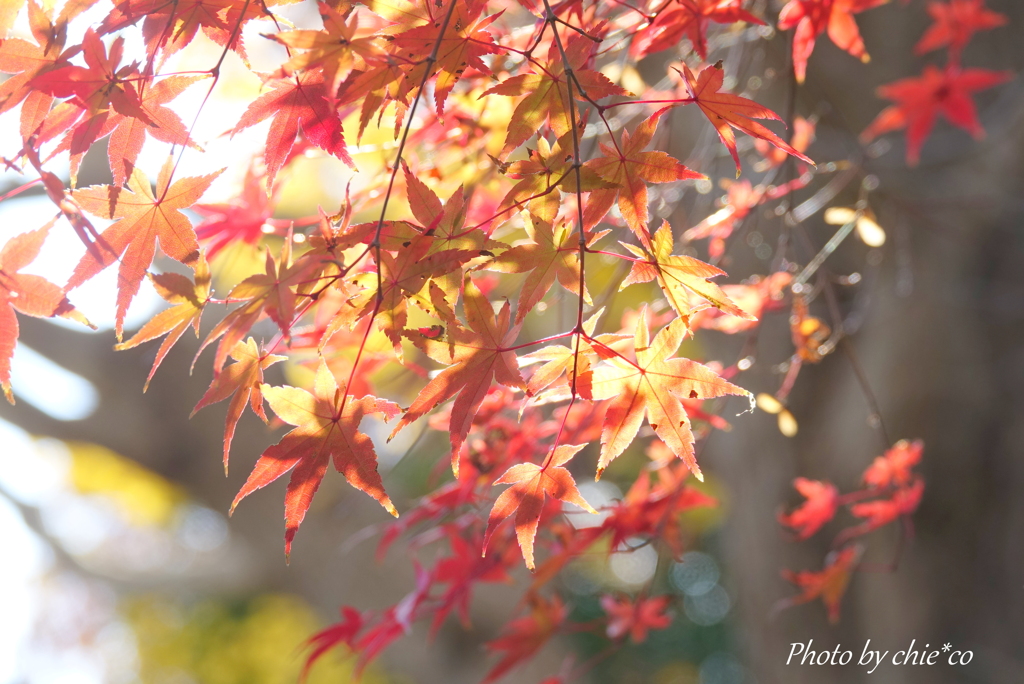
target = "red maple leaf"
x: 880, y: 513
x: 635, y: 618
x: 100, y: 91
x: 526, y: 635
x: 918, y: 100
x: 814, y: 17
x: 820, y: 507
x: 726, y: 111
x: 460, y: 571
x: 26, y: 61
x: 690, y: 19
x: 956, y: 22
x: 301, y: 102
x: 326, y: 428
x: 242, y: 218
x: 895, y: 465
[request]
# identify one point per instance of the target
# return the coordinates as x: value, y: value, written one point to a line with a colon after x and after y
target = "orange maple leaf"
x: 531, y: 483
x: 477, y: 356
x: 188, y: 298
x: 544, y: 176
x: 550, y: 254
x: 630, y: 168
x: 547, y: 93
x: 144, y: 218
x: 654, y: 386
x: 28, y: 294
x: 685, y: 281
x: 327, y: 428
x: 242, y: 381
x: 829, y: 584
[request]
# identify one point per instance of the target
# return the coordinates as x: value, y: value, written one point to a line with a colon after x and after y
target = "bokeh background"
x: 120, y: 565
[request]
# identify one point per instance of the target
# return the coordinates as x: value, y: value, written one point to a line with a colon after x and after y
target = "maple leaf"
x: 242, y: 218
x: 327, y: 428
x: 531, y: 483
x: 956, y: 22
x: 547, y: 93
x: 727, y: 111
x: 683, y: 279
x: 98, y: 91
x: 128, y: 133
x: 630, y: 168
x: 829, y: 584
x: 895, y: 466
x: 340, y: 48
x: 302, y: 102
x: 550, y: 254
x: 880, y: 513
x: 525, y: 636
x: 918, y: 101
x: 188, y: 298
x: 271, y: 293
x: 654, y: 386
x: 575, y: 361
x: 459, y: 572
x: 547, y: 171
x: 170, y: 25
x: 635, y: 618
x: 653, y: 510
x: 242, y: 381
x: 28, y: 294
x: 461, y: 46
x: 814, y: 17
x: 477, y: 356
x: 143, y: 219
x: 402, y: 278
x: 344, y: 632
x: 25, y: 61
x: 690, y: 19
x: 820, y: 507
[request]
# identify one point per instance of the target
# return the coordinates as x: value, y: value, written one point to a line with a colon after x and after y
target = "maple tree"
x: 550, y: 143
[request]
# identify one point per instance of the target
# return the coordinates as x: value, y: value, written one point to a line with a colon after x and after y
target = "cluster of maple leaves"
x: 386, y: 282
